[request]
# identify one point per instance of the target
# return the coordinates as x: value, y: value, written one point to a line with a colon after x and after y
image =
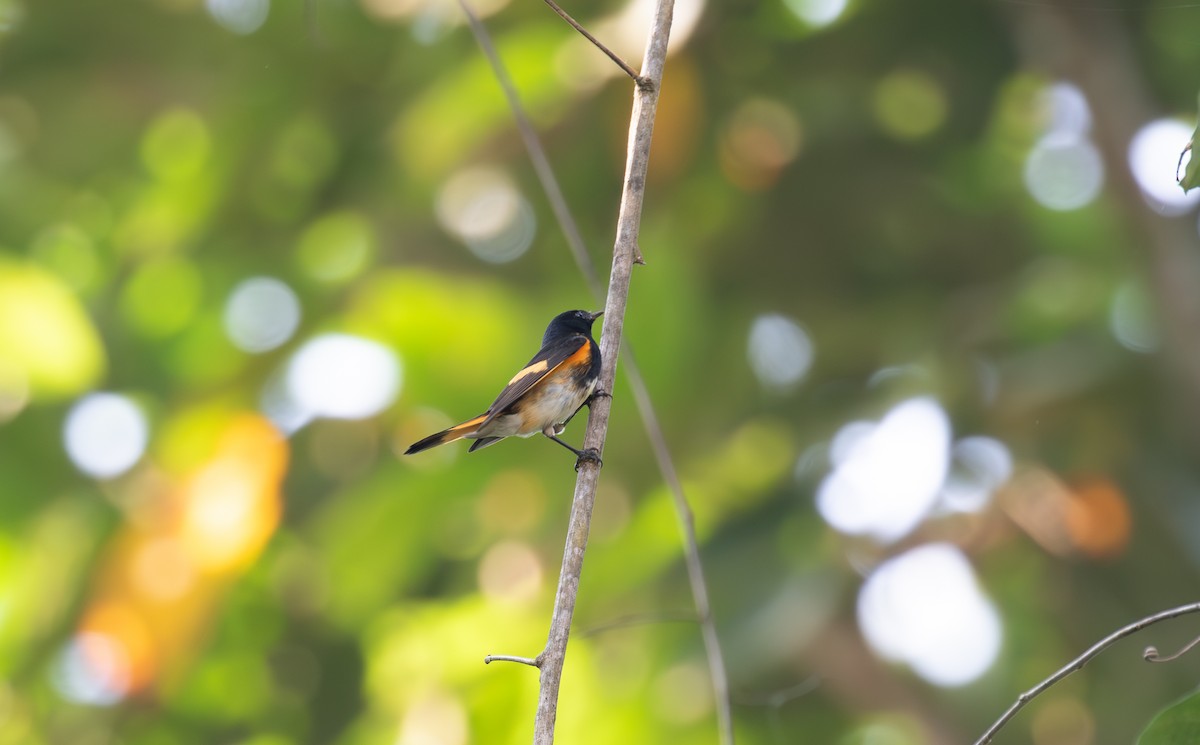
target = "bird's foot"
x: 588, y: 455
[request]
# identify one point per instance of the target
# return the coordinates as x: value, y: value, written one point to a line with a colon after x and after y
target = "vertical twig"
x: 641, y: 394
x: 641, y: 126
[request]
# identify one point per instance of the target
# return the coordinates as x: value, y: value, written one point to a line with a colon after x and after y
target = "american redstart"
x: 545, y: 395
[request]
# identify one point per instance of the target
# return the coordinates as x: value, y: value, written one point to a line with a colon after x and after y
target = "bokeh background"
x: 920, y: 316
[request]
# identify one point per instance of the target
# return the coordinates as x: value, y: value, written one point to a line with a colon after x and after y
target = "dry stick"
x: 641, y: 126
x: 1083, y: 659
x: 611, y: 54
x: 641, y: 394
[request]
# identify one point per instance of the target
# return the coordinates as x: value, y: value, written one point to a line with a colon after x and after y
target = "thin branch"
x: 1080, y: 661
x: 641, y: 127
x: 640, y: 619
x: 598, y: 44
x: 1151, y: 654
x: 641, y: 394
x: 531, y: 661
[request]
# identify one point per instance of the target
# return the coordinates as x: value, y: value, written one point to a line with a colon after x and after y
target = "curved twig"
x: 1080, y: 661
x: 1151, y: 654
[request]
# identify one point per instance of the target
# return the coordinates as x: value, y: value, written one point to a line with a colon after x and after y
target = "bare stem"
x: 598, y: 44
x: 531, y: 661
x: 641, y: 127
x: 654, y: 431
x: 641, y: 394
x: 1080, y: 661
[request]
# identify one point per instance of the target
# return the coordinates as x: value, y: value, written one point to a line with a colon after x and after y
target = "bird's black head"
x: 571, y: 322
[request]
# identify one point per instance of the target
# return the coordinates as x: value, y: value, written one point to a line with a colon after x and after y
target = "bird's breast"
x: 554, y: 402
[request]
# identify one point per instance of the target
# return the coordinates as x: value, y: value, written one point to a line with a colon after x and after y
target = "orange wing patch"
x: 566, y: 368
x: 534, y: 369
x: 581, y: 357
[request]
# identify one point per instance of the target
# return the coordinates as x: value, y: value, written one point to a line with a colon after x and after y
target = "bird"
x: 543, y: 396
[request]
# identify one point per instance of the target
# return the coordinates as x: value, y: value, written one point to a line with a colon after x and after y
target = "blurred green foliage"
x: 861, y: 172
x: 1176, y: 724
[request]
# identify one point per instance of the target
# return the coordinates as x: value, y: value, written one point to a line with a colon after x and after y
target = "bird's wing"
x: 546, y: 361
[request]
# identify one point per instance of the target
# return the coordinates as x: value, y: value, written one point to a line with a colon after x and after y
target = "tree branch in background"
x: 640, y: 619
x: 641, y: 393
x: 1097, y: 54
x: 1151, y: 654
x: 314, y: 28
x: 625, y: 250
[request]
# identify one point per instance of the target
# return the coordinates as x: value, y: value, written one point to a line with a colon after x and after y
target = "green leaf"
x: 1191, y: 172
x: 1178, y: 724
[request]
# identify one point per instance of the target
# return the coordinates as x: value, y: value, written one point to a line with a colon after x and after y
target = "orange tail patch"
x: 457, y: 432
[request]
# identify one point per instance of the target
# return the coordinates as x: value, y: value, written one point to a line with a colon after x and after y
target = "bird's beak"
x: 597, y: 314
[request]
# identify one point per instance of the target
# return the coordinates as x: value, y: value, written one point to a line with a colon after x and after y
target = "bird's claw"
x: 588, y: 454
x: 598, y: 393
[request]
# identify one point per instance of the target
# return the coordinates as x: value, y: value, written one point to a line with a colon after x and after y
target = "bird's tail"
x: 457, y: 432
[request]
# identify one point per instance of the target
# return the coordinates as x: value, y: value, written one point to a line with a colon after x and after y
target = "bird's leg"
x: 588, y: 403
x: 554, y: 430
x: 580, y: 455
